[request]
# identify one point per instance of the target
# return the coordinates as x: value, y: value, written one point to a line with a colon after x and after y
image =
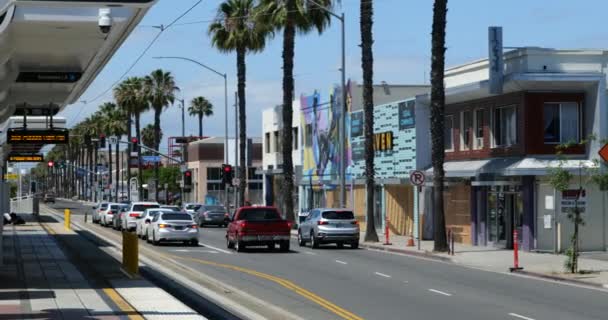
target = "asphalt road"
x: 331, y: 283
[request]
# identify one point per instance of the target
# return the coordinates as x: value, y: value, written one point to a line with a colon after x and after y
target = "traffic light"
x: 187, y: 179
x: 227, y: 174
x: 102, y: 141
x: 51, y: 164
x: 134, y: 144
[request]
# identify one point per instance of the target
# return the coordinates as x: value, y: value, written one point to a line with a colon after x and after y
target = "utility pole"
x: 236, y: 145
x: 184, y: 157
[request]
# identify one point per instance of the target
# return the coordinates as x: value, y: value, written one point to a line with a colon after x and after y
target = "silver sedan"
x: 172, y: 227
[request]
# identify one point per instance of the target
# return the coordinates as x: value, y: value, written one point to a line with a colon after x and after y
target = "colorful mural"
x: 320, y: 122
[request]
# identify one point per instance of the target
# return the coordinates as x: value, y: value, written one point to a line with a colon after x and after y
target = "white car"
x: 173, y: 226
x: 134, y: 212
x: 105, y: 216
x: 97, y: 210
x: 144, y: 222
x: 191, y: 208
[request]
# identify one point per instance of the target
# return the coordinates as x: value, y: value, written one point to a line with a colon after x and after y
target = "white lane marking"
x: 382, y: 274
x: 440, y: 292
x: 405, y: 281
x: 310, y: 253
x: 341, y: 262
x: 214, y: 248
x: 181, y: 250
x: 520, y: 316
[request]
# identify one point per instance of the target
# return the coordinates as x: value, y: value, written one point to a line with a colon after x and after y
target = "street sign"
x: 11, y: 176
x: 417, y: 178
x: 604, y: 152
x: 236, y: 182
x: 113, y: 140
x: 183, y: 168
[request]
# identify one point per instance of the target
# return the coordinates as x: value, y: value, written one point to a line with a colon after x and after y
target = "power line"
x: 143, y: 53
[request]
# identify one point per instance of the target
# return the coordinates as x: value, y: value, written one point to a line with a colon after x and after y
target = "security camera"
x: 105, y: 20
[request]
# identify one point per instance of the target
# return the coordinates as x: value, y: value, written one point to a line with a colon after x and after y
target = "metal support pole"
x: 343, y: 162
x: 236, y: 145
x: 226, y: 138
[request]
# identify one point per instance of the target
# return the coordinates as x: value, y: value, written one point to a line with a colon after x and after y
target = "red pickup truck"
x: 258, y: 226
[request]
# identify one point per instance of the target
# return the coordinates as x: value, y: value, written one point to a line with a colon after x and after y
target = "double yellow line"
x: 341, y: 312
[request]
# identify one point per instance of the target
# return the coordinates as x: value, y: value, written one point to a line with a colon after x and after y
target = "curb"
x: 561, y: 279
x: 423, y: 254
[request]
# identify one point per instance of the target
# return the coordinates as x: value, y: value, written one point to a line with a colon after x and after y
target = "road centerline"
x: 440, y: 292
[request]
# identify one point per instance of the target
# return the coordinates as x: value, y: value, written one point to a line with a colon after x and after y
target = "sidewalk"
x: 53, y: 273
x: 546, y: 265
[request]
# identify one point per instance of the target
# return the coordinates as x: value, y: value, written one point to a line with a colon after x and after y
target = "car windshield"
x: 103, y: 206
x: 214, y: 208
x: 260, y: 214
x: 338, y: 215
x: 176, y: 216
x: 143, y: 207
x: 193, y: 206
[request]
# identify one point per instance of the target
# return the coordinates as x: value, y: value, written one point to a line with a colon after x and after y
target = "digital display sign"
x: 45, y: 136
x: 49, y: 77
x: 25, y: 158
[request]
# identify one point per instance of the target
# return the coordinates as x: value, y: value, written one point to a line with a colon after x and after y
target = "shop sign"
x: 407, y: 115
x: 496, y: 60
x: 383, y: 141
x: 356, y: 124
x: 569, y: 200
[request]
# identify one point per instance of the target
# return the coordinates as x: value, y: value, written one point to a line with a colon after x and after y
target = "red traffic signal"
x: 188, y: 173
x: 187, y: 179
x: 228, y: 168
x: 51, y: 164
x: 227, y: 174
x: 134, y: 140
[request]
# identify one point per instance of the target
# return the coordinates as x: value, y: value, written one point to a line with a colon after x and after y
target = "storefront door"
x: 505, y: 211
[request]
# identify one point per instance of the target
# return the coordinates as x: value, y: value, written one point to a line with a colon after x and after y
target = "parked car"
x: 134, y: 212
x: 106, y: 215
x: 191, y: 208
x: 172, y: 226
x: 117, y: 218
x: 258, y: 226
x: 97, y: 210
x: 323, y: 226
x: 144, y: 222
x: 49, y: 197
x: 211, y: 215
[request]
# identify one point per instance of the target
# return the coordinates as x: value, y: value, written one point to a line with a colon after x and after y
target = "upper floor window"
x: 448, y: 139
x: 277, y: 141
x: 466, y: 126
x: 267, y: 142
x: 479, y: 127
x: 214, y: 173
x: 561, y: 122
x: 295, y: 139
x: 505, y: 126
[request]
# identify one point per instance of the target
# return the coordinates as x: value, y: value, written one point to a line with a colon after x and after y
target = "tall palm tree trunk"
x: 118, y: 168
x: 438, y: 122
x: 241, y: 74
x: 139, y: 173
x: 367, y: 64
x: 91, y: 187
x: 110, y: 169
x: 200, y: 125
x: 95, y: 170
x: 157, y: 111
x: 289, y: 34
x: 128, y: 166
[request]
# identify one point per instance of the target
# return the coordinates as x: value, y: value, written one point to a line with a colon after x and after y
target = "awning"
x: 461, y: 169
x: 541, y: 167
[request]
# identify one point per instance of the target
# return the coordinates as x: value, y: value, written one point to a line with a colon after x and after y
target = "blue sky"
x: 401, y: 50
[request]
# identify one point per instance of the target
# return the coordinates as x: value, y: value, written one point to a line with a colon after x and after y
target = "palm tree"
x: 367, y: 64
x: 148, y: 135
x: 291, y: 16
x: 438, y: 121
x: 160, y: 90
x: 114, y: 125
x: 132, y: 97
x: 234, y: 29
x: 200, y: 107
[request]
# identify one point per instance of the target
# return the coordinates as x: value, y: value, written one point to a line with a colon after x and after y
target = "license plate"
x: 179, y: 228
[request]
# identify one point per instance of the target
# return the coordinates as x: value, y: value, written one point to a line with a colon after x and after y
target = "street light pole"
x: 342, y: 134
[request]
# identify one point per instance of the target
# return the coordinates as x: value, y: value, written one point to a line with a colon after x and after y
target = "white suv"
x: 134, y: 212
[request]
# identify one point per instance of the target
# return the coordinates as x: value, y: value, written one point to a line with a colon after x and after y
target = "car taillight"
x: 243, y: 224
x: 133, y: 215
x: 162, y: 226
x: 320, y: 223
x: 355, y: 222
x: 194, y: 226
x: 226, y: 215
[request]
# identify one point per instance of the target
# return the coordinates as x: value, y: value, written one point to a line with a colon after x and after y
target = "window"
x: 449, y: 133
x: 466, y: 124
x: 267, y: 142
x: 561, y: 122
x: 260, y: 214
x: 277, y: 141
x: 338, y: 215
x: 295, y: 139
x: 176, y: 216
x: 505, y: 126
x: 143, y: 207
x: 479, y: 125
x: 308, y: 140
x: 214, y: 174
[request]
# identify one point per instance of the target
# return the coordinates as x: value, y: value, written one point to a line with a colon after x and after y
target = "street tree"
x: 200, y: 107
x: 148, y: 136
x: 235, y: 30
x: 291, y: 16
x: 367, y: 64
x: 438, y: 122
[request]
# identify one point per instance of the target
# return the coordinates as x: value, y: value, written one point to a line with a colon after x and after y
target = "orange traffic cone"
x: 410, y: 241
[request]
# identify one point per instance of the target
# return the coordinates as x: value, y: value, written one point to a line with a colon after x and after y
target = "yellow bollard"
x: 67, y: 219
x: 130, y: 253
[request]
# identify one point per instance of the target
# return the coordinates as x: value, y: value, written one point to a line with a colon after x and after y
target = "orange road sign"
x: 604, y: 152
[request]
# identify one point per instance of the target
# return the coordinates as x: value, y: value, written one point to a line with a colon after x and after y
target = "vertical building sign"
x: 407, y: 117
x: 496, y: 62
x: 356, y: 124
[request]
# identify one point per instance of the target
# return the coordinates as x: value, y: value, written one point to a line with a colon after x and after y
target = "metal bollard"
x: 130, y: 253
x: 67, y: 219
